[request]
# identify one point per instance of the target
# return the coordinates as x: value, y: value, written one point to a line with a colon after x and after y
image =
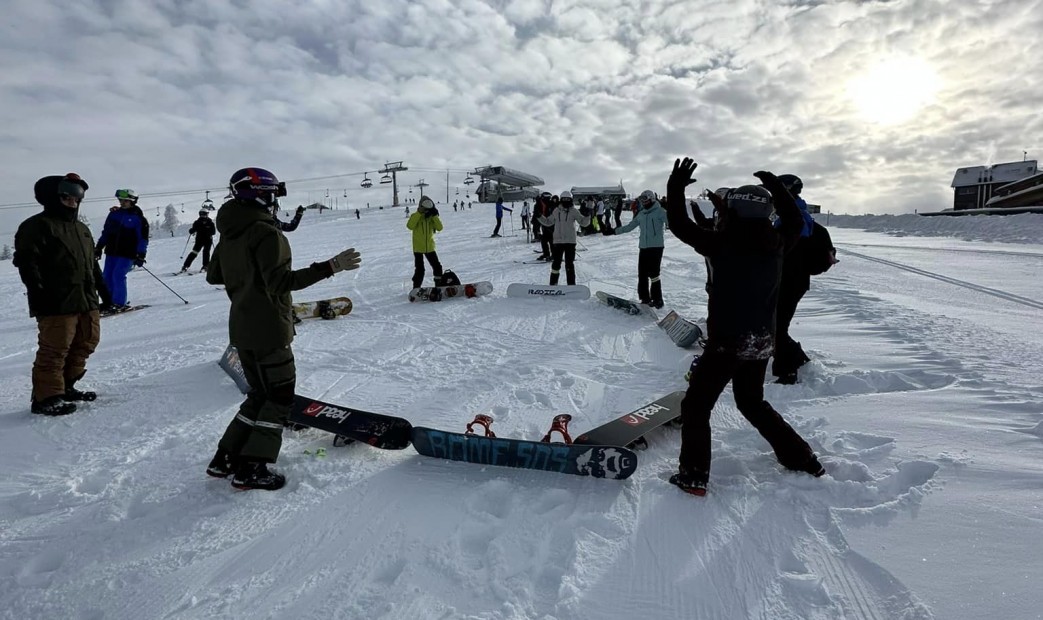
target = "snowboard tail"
x: 376, y: 429
x: 683, y: 332
x: 629, y: 430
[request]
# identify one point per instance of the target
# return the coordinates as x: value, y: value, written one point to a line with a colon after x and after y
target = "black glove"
x: 681, y: 177
x: 300, y: 210
x: 139, y: 260
x: 431, y: 212
x: 97, y: 253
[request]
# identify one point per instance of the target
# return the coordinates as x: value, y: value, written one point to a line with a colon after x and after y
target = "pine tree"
x: 5, y: 254
x: 170, y: 221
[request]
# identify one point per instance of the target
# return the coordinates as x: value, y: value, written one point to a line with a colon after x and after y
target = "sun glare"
x: 894, y: 90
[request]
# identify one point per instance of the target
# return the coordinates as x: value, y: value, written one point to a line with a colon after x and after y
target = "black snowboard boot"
x: 52, y: 406
x: 255, y: 475
x: 222, y: 465
x: 71, y: 394
x: 693, y: 482
x: 812, y: 466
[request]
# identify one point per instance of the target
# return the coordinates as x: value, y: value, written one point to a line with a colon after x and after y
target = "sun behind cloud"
x: 894, y: 90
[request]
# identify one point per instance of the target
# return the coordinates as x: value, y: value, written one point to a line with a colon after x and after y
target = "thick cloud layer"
x: 174, y: 95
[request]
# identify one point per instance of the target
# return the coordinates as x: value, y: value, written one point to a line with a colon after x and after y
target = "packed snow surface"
x: 924, y: 400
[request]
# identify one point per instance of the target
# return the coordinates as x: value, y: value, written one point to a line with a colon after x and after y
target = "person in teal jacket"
x: 424, y: 223
x: 651, y: 218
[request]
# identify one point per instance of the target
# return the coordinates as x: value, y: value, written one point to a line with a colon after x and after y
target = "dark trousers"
x: 545, y: 236
x: 789, y: 355
x: 525, y: 222
x: 204, y: 244
x: 568, y: 252
x: 255, y: 434
x: 496, y: 230
x: 418, y: 267
x: 648, y: 263
x: 709, y: 378
x: 618, y: 211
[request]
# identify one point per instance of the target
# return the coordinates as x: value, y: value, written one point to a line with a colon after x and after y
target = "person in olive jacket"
x: 424, y: 223
x: 744, y: 254
x: 253, y: 262
x: 54, y: 254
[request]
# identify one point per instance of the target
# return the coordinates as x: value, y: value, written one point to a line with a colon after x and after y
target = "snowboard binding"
x: 326, y: 310
x: 483, y: 420
x: 560, y: 425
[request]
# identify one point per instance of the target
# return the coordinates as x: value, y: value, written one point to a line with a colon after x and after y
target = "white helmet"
x: 647, y: 197
x: 565, y: 195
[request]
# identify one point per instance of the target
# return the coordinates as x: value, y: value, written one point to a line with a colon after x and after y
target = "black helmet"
x: 750, y: 202
x: 792, y: 182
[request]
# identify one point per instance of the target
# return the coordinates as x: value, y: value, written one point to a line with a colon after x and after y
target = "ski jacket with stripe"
x: 652, y: 222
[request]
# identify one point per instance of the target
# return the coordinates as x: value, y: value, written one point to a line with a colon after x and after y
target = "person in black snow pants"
x: 204, y: 230
x: 744, y: 253
x: 563, y: 220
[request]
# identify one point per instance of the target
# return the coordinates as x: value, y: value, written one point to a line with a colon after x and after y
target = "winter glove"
x: 345, y: 261
x: 681, y: 177
x: 300, y: 210
x: 97, y: 253
x: 139, y: 260
x: 431, y: 212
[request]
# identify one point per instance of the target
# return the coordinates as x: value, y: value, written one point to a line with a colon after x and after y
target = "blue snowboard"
x: 611, y: 462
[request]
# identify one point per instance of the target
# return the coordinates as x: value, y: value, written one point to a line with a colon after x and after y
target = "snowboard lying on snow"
x: 613, y: 462
x: 438, y: 293
x: 629, y: 430
x: 626, y: 305
x: 550, y: 291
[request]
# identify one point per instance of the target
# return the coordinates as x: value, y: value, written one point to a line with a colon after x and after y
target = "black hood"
x: 46, y: 193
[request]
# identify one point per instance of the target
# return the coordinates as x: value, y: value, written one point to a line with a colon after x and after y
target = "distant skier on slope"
x: 745, y: 254
x: 204, y: 230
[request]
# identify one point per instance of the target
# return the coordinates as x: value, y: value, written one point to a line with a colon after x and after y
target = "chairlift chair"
x: 469, y: 180
x: 366, y: 183
x: 385, y: 179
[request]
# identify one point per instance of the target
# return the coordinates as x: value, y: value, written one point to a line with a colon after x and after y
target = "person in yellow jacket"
x: 424, y: 223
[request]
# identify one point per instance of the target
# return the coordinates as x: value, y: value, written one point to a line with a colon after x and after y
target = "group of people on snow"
x: 758, y: 269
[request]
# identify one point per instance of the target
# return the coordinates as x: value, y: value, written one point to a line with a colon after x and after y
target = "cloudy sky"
x: 873, y: 104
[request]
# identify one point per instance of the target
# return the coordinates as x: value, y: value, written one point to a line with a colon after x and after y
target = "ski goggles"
x: 67, y: 187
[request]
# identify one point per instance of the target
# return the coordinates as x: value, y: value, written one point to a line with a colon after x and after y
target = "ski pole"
x: 187, y: 239
x: 164, y: 284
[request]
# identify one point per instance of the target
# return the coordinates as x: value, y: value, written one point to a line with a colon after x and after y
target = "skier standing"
x: 564, y: 219
x: 499, y: 216
x: 53, y: 254
x: 124, y: 239
x: 204, y: 230
x: 652, y: 221
x: 424, y: 224
x: 253, y: 262
x: 525, y: 215
x: 292, y: 224
x: 745, y: 254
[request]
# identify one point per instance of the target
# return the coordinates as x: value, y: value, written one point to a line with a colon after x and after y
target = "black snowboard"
x: 378, y: 430
x: 629, y: 430
x: 598, y: 461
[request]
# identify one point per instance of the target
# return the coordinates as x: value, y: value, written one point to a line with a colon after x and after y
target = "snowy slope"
x: 924, y: 401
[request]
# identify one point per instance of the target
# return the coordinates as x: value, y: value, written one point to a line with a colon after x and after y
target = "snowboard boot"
x: 52, y: 406
x: 812, y: 466
x: 72, y: 394
x: 222, y: 465
x: 693, y: 482
x: 656, y: 303
x: 255, y: 475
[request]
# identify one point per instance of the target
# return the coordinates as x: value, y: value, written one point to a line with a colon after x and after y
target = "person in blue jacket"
x: 124, y: 239
x: 651, y: 218
x: 789, y: 354
x: 499, y: 216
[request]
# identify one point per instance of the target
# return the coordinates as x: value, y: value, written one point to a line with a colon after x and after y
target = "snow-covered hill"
x: 923, y: 399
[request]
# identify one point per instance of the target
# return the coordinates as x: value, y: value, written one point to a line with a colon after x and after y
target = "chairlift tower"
x: 392, y: 168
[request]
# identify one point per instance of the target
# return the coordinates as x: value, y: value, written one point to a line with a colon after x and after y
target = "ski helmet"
x: 256, y: 184
x: 792, y: 182
x: 646, y: 198
x: 425, y: 204
x: 127, y: 194
x: 750, y: 202
x: 204, y: 213
x: 723, y: 191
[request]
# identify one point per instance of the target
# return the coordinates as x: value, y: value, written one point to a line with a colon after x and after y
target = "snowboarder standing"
x: 564, y: 219
x: 55, y: 260
x: 124, y: 239
x: 745, y: 253
x: 253, y: 262
x: 204, y: 230
x: 424, y: 223
x: 652, y: 221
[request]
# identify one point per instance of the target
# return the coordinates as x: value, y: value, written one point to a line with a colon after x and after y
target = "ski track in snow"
x: 108, y: 512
